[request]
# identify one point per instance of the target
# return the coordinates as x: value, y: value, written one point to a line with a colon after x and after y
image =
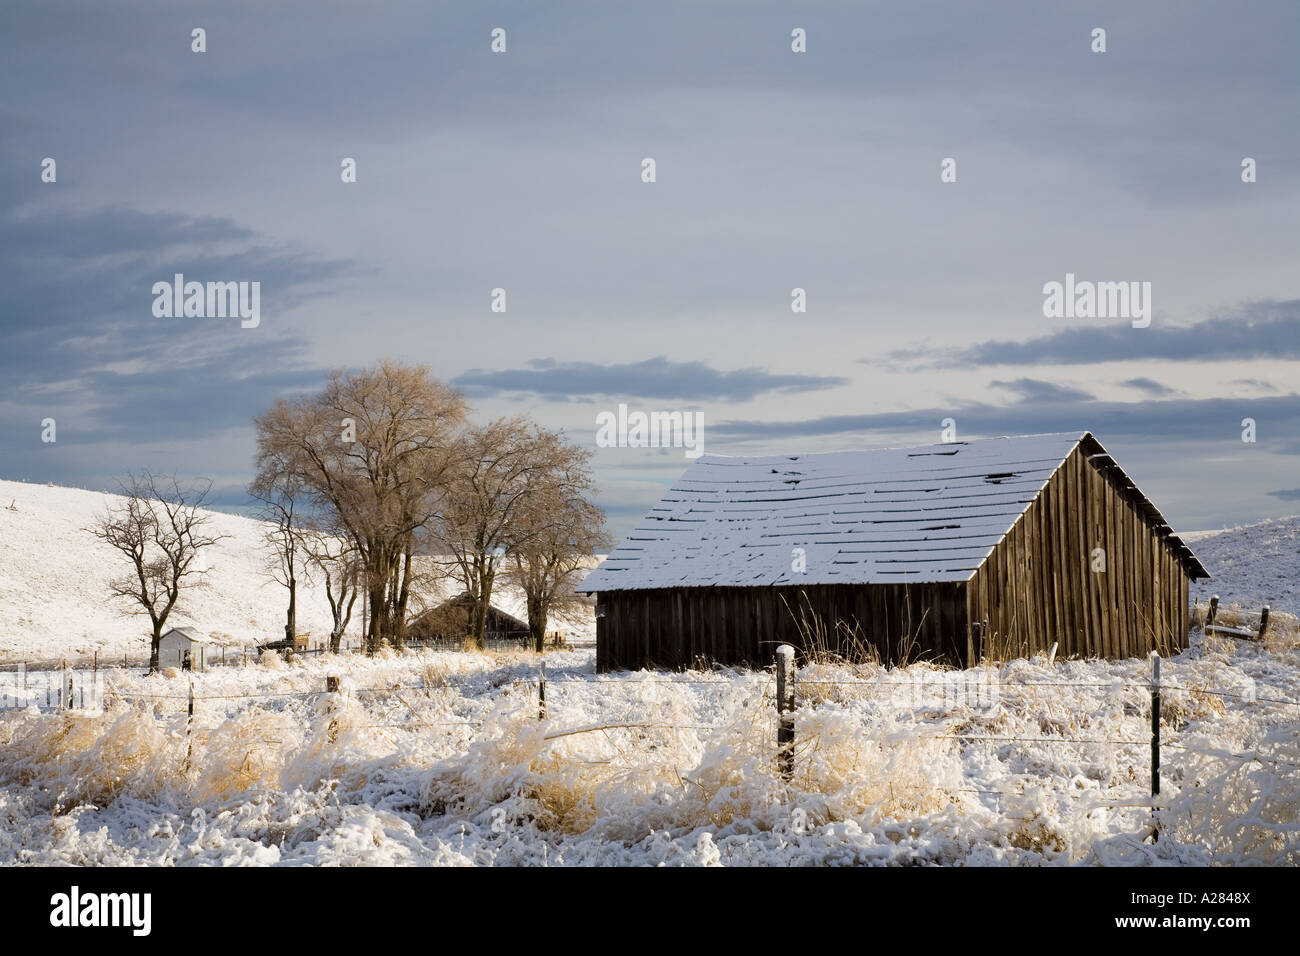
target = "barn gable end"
x: 1091, y: 566
x: 945, y: 551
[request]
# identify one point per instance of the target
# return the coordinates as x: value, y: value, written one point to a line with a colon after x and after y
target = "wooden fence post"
x: 333, y: 685
x: 785, y: 704
x: 189, y: 730
x: 1263, y: 623
x: 1214, y: 610
x: 1155, y: 740
x: 541, y: 692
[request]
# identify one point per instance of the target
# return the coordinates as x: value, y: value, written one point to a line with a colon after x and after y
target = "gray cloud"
x: 657, y: 377
x: 81, y: 343
x: 1150, y: 386
x: 1036, y: 390
x: 76, y: 292
x: 1159, y: 421
x: 1258, y: 383
x: 1258, y: 330
x: 1291, y: 494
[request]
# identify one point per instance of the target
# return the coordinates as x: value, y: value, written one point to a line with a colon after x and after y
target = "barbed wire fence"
x: 781, y: 703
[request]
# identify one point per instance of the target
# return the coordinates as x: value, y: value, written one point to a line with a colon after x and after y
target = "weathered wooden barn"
x: 449, y: 622
x: 952, y: 551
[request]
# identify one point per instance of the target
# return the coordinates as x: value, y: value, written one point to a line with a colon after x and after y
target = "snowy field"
x: 441, y: 758
x: 1252, y: 565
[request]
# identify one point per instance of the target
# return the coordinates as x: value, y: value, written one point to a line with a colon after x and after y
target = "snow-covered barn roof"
x: 932, y: 513
x: 187, y: 632
x: 464, y: 598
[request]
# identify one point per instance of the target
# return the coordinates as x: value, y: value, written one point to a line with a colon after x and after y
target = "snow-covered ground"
x: 440, y: 758
x: 1253, y: 565
x: 54, y: 575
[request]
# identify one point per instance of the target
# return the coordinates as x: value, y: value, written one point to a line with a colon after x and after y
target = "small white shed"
x: 179, y: 641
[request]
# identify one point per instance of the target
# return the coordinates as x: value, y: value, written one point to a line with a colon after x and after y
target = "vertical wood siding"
x: 1039, y: 587
x: 684, y: 627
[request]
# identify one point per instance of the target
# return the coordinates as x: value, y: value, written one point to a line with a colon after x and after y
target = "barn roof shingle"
x: 932, y: 513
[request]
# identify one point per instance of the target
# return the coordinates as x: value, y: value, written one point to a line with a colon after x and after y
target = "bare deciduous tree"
x: 161, y: 528
x: 564, y: 531
x: 372, y: 449
x: 494, y: 499
x: 279, y: 490
x: 336, y: 561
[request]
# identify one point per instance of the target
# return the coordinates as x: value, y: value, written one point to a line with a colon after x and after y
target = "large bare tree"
x: 372, y: 448
x: 162, y: 529
x: 562, y: 530
x: 494, y: 496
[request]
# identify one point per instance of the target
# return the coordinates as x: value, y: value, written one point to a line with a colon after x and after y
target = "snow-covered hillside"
x: 54, y: 600
x: 1252, y: 565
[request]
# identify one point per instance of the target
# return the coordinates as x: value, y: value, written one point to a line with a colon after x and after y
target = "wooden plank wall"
x: 683, y: 627
x: 1038, y: 586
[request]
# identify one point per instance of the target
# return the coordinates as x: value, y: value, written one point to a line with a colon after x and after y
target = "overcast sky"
x: 775, y: 170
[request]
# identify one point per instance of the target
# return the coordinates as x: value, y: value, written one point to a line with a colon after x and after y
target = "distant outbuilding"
x: 449, y: 622
x: 954, y: 551
x: 180, y: 644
